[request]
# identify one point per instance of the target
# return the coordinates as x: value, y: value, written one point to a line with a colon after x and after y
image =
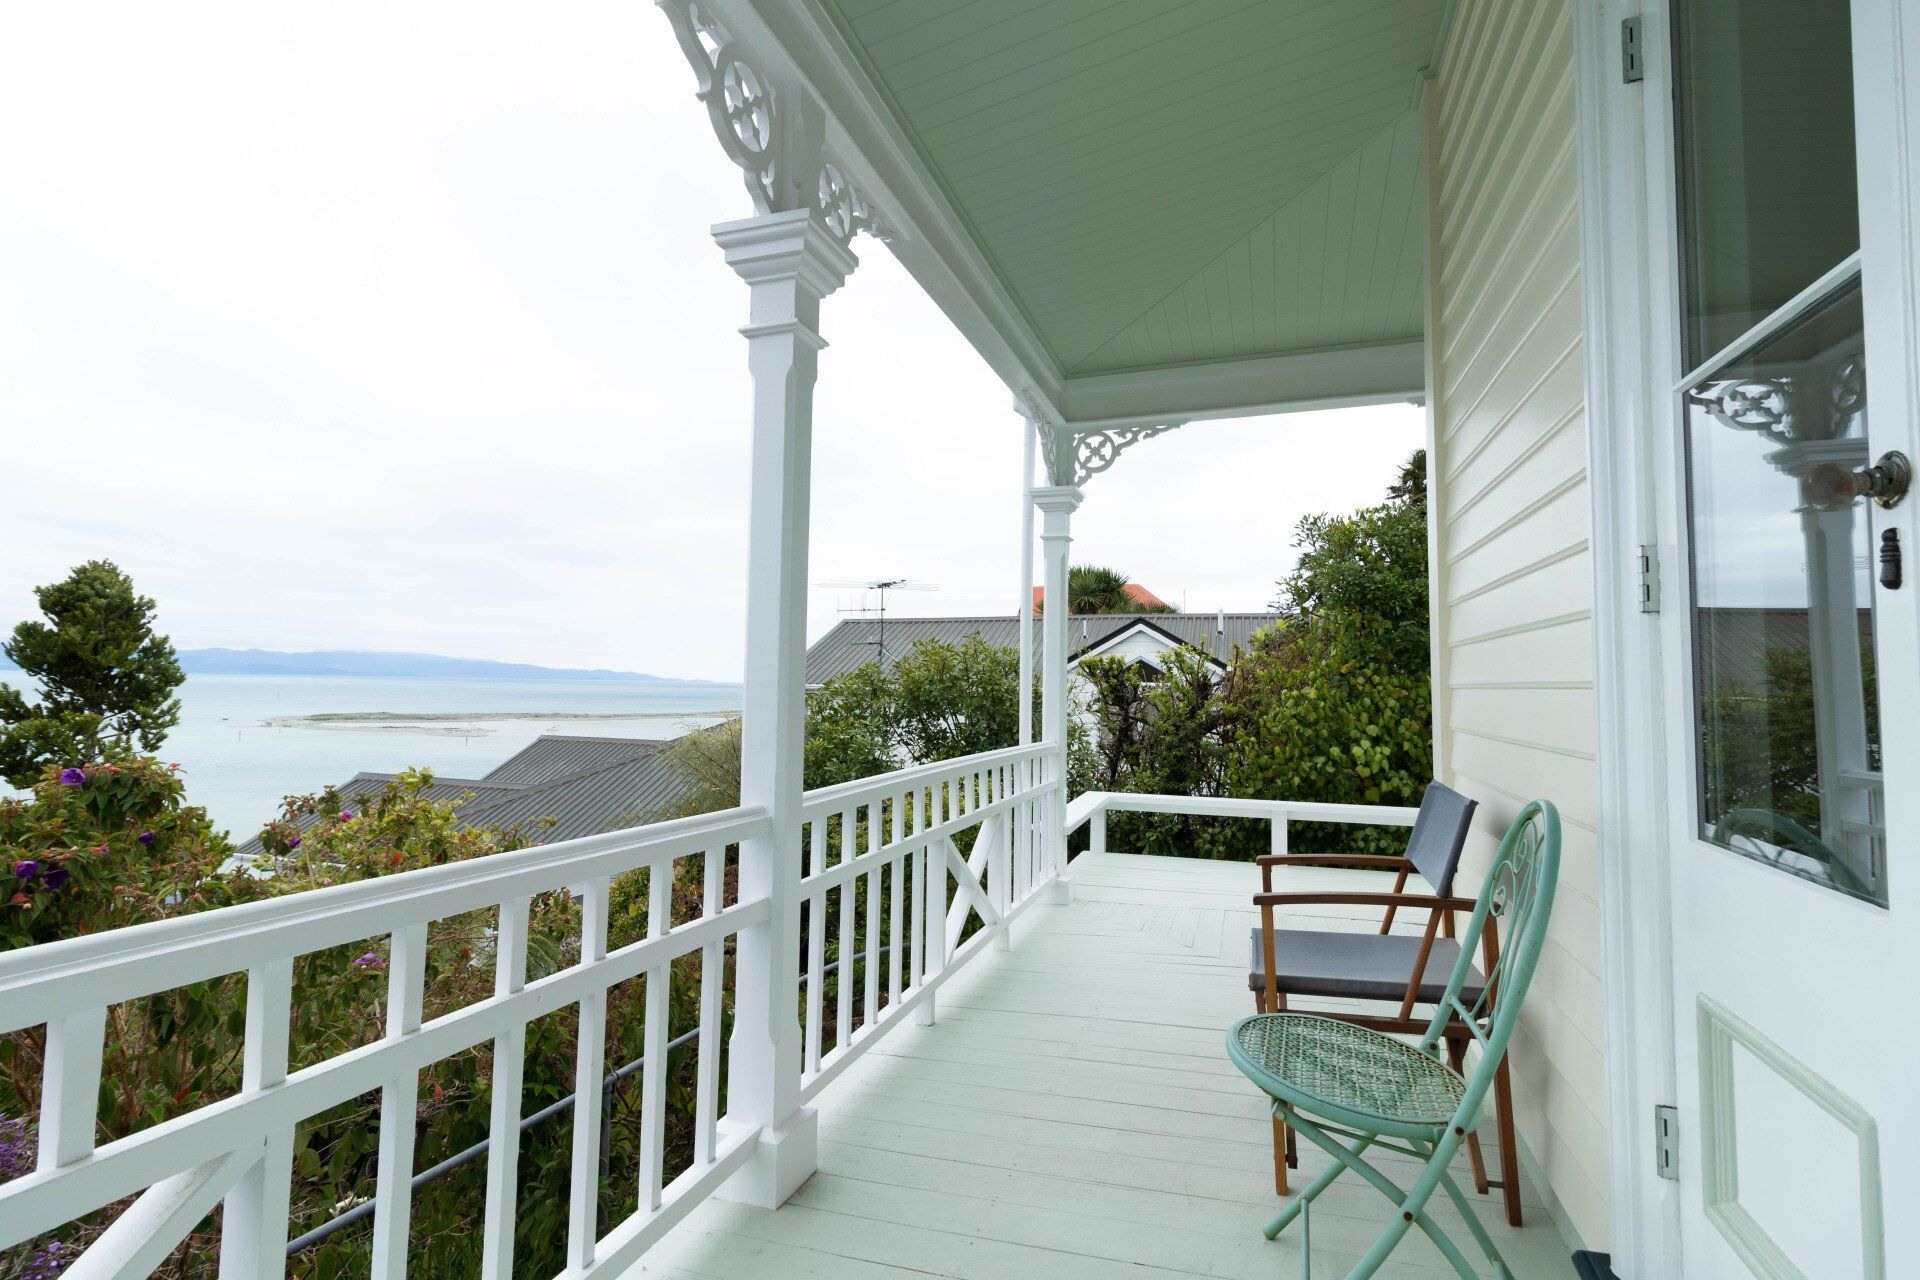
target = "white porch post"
x: 1057, y: 503
x: 790, y: 263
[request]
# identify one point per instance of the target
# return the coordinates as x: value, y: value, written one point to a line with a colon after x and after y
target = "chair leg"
x: 1509, y: 1153
x: 1412, y: 1202
x: 1281, y: 1135
x: 1457, y: 1055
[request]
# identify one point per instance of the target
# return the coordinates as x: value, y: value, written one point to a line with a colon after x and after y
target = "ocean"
x: 243, y: 743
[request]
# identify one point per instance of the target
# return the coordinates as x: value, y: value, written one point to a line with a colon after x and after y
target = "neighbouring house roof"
x: 584, y: 785
x: 1133, y: 591
x: 855, y: 642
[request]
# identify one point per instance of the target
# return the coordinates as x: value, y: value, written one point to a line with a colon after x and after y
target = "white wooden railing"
x: 1090, y: 809
x: 892, y: 838
x: 240, y: 1149
x: 886, y: 886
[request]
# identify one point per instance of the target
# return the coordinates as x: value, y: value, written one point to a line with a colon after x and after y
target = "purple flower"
x: 72, y: 777
x: 346, y: 815
x: 145, y: 837
x: 369, y: 961
x: 26, y: 870
x: 293, y: 842
x: 57, y: 877
x: 17, y: 1154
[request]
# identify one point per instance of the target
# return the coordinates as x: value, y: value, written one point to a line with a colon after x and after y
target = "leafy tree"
x: 1332, y: 704
x: 1159, y: 734
x: 106, y: 680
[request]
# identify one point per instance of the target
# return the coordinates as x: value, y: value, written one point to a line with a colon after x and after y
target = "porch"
x: 1071, y: 1112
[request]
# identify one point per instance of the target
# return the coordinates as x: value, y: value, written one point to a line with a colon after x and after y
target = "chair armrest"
x: 1367, y: 899
x: 1385, y: 861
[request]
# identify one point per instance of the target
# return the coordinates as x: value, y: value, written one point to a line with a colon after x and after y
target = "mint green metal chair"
x: 1349, y: 1089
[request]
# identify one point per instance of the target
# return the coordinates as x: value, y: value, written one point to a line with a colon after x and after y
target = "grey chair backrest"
x: 1439, y: 834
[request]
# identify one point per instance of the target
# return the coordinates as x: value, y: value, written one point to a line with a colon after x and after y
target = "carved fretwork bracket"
x: 771, y: 131
x: 1072, y: 457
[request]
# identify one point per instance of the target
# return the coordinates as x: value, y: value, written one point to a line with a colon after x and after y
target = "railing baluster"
x: 1278, y: 835
x: 897, y: 952
x: 399, y: 1107
x: 919, y: 856
x: 70, y: 1087
x: 253, y: 1226
x: 849, y: 911
x: 875, y: 957
x: 653, y: 1080
x: 509, y: 1076
x: 816, y: 945
x: 583, y: 1213
x: 706, y: 1088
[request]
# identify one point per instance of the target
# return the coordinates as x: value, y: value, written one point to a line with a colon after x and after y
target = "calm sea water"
x: 239, y: 765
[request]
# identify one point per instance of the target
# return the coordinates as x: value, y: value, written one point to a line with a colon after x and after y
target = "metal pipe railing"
x: 364, y: 1211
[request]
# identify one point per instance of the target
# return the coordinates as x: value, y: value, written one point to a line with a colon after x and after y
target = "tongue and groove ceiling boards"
x: 1162, y: 184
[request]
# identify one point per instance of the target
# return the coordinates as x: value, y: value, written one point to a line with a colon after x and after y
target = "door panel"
x: 1792, y: 672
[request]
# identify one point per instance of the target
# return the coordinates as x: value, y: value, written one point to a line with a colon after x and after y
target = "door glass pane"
x: 1783, y: 604
x: 1764, y: 104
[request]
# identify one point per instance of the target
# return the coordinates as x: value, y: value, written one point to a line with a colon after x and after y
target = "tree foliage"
x: 181, y: 1049
x: 1331, y: 704
x: 106, y: 681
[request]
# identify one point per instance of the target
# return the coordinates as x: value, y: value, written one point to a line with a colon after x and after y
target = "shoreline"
x: 471, y: 722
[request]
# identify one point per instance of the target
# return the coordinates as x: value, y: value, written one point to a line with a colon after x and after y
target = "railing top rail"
x: 843, y: 793
x: 1085, y: 806
x: 37, y: 983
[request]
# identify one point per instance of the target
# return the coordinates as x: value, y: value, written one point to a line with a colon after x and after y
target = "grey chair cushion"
x: 1357, y: 966
x: 1439, y: 834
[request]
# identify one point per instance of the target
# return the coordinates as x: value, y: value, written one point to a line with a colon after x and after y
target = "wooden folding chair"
x: 1381, y: 967
x: 1350, y: 1088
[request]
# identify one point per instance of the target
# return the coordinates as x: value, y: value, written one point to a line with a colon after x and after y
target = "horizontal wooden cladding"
x: 1512, y: 529
x: 1556, y: 650
x: 1558, y: 582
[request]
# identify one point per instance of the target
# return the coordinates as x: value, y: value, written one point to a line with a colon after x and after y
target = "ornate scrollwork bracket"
x: 1073, y: 457
x: 761, y: 130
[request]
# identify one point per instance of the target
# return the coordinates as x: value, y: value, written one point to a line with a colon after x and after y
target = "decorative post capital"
x: 1057, y: 500
x: 791, y: 245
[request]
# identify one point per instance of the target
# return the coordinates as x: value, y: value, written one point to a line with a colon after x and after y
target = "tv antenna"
x: 882, y: 585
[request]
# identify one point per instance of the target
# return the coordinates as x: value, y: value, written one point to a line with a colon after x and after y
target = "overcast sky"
x: 354, y: 326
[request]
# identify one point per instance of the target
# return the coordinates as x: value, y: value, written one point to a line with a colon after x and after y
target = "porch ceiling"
x: 1161, y: 185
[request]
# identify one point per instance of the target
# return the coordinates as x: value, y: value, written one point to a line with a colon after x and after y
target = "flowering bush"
x: 134, y: 851
x: 104, y: 844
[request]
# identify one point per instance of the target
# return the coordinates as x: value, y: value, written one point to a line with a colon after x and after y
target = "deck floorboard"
x: 1071, y: 1114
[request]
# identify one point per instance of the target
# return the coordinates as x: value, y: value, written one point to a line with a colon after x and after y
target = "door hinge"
x: 1666, y: 1141
x: 1647, y: 562
x: 1632, y: 66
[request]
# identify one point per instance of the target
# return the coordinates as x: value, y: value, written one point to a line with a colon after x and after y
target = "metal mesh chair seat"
x: 1348, y: 1074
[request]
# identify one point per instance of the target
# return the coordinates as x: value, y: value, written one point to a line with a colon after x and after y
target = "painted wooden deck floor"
x: 1072, y: 1115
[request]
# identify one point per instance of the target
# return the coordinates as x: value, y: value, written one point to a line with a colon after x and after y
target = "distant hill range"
x: 353, y: 662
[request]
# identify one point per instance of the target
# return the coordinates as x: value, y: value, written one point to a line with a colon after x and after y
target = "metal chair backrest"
x: 1439, y: 834
x: 1512, y: 911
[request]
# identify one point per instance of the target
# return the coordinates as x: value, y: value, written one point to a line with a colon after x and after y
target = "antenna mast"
x: 881, y: 585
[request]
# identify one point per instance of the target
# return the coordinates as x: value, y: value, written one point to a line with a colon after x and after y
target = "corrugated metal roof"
x: 585, y: 785
x: 556, y: 755
x: 855, y: 642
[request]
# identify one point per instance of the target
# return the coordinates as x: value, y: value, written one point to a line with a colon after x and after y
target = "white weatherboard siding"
x: 1513, y: 676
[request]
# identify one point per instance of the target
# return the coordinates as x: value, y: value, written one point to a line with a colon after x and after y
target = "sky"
x: 400, y: 328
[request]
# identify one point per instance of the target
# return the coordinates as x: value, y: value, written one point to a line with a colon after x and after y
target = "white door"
x: 1791, y: 667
